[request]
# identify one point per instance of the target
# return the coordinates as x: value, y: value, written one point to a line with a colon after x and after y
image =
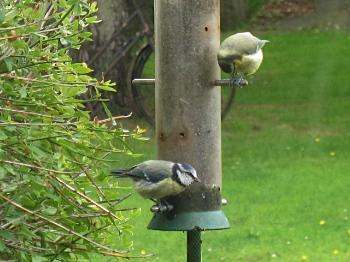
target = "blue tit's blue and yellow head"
x: 184, y: 174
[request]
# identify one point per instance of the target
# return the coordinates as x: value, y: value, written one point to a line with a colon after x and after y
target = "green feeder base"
x: 186, y: 221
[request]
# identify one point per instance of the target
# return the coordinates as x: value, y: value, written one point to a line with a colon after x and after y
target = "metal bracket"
x: 224, y: 201
x: 150, y: 81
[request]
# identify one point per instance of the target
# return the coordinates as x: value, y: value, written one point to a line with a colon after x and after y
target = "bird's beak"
x: 197, y: 179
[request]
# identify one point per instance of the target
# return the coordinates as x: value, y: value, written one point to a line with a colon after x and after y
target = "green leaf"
x: 77, y: 9
x: 8, y: 63
x: 142, y: 138
x: 2, y: 245
x: 91, y: 20
x: 72, y: 91
x: 7, y: 235
x: 21, y: 44
x: 37, y: 258
x: 64, y: 4
x: 28, y: 202
x: 107, y: 111
x: 3, y: 136
x: 3, y: 172
x: 106, y: 88
x: 23, y: 92
x: 9, y: 16
x: 37, y: 152
x: 25, y: 232
x: 2, y: 18
x: 50, y: 211
x: 81, y: 68
x: 64, y: 41
x: 8, y: 188
x: 86, y: 35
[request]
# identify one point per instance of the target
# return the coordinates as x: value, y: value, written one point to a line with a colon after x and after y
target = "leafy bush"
x: 53, y: 159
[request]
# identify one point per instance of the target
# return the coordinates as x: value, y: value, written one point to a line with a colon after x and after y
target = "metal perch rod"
x: 150, y: 81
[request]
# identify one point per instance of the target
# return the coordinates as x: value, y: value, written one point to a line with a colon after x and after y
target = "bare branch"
x: 64, y: 228
x: 47, y: 15
x: 99, y: 191
x: 27, y: 112
x: 108, y: 120
x: 86, y: 198
x: 16, y: 219
x: 29, y: 34
x: 37, y: 124
x: 27, y: 79
x: 119, y: 200
x: 37, y: 167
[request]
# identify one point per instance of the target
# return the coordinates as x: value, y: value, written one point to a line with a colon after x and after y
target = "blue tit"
x: 240, y: 55
x: 156, y: 179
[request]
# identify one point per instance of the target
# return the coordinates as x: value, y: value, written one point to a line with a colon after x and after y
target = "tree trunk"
x: 115, y: 42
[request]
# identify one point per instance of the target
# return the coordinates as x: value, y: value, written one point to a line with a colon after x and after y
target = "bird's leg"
x: 165, y: 204
x: 161, y: 206
x: 237, y: 81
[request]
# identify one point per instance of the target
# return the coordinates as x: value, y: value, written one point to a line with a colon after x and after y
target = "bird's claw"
x: 238, y: 81
x: 161, y: 208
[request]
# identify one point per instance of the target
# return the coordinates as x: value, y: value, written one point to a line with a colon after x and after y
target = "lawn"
x: 286, y: 151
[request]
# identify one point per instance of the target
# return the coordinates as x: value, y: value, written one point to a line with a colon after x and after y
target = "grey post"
x: 188, y: 124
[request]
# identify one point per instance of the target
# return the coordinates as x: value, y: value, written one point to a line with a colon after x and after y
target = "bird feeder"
x: 188, y: 107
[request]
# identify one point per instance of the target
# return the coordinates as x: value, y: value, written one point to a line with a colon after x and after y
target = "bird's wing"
x: 153, y: 176
x: 151, y: 170
x: 241, y: 44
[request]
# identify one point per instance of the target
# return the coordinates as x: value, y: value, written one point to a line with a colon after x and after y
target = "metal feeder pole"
x: 188, y: 107
x: 194, y: 246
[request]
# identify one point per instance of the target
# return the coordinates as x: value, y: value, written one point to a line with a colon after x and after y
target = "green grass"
x: 286, y: 151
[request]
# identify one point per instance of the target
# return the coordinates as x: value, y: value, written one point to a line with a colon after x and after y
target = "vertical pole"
x: 188, y: 109
x: 188, y: 106
x: 194, y: 246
